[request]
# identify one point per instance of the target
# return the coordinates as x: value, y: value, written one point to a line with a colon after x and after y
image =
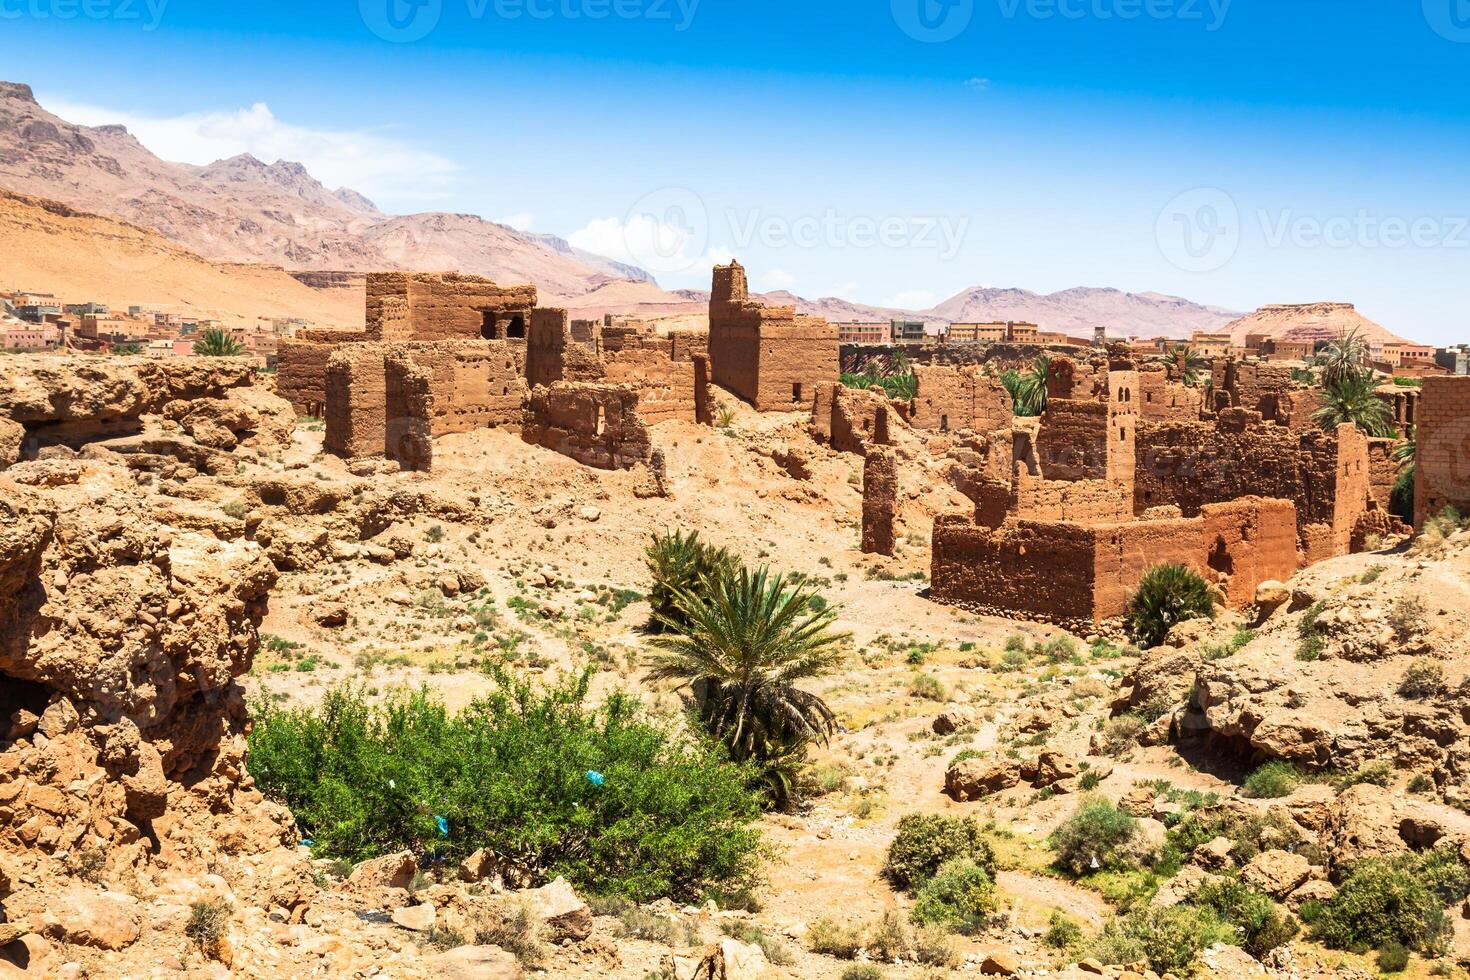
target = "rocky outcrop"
x: 52, y: 388
x: 121, y: 722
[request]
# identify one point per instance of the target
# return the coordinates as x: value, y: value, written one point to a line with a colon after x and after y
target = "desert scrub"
x: 1262, y: 926
x: 926, y: 841
x: 927, y: 687
x: 207, y: 925
x: 1406, y: 616
x: 1061, y: 932
x: 666, y: 815
x: 1393, y: 901
x: 1272, y: 781
x: 960, y: 897
x: 1232, y: 646
x: 864, y: 971
x: 1121, y: 733
x: 1311, y: 634
x: 1095, y: 837
x: 1167, y: 596
x: 1169, y: 939
x: 1423, y: 679
x: 829, y: 939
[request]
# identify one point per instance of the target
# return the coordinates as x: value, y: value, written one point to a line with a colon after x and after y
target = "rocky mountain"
x: 1309, y: 322
x: 1080, y: 309
x: 245, y: 210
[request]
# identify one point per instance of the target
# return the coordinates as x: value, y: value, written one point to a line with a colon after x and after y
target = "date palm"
x: 1352, y: 400
x: 742, y: 645
x: 1029, y: 393
x: 217, y: 343
x: 1344, y: 358
x: 1186, y: 361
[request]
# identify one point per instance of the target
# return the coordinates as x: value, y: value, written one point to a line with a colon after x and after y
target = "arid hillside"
x: 48, y: 246
x: 1308, y: 322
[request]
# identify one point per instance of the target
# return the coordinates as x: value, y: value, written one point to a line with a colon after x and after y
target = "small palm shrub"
x: 926, y: 841
x: 1094, y: 838
x: 681, y: 563
x: 960, y: 896
x: 742, y: 646
x: 1167, y: 596
x: 1272, y: 781
x: 218, y: 343
x: 667, y: 816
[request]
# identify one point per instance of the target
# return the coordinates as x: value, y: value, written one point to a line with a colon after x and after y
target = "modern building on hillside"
x: 864, y: 333
x: 1210, y: 345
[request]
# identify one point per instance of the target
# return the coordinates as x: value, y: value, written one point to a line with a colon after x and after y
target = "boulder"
x: 12, y: 437
x: 1277, y: 873
x: 975, y: 779
x: 1001, y: 963
x: 388, y: 871
x: 1362, y: 823
x: 952, y: 719
x: 561, y: 908
x: 1214, y: 854
x: 1315, y: 890
x: 105, y: 920
x: 1271, y: 595
x: 416, y: 918
x: 1180, y: 888
x: 728, y: 959
x: 483, y: 867
x: 329, y: 614
x: 1053, y: 767
x: 475, y: 963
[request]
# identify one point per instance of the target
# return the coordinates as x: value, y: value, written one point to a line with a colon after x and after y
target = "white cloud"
x: 778, y: 279
x: 977, y: 84
x: 377, y: 165
x: 663, y: 247
x: 521, y: 221
x: 912, y: 299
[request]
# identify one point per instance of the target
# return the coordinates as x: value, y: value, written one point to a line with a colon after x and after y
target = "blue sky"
x: 1236, y: 152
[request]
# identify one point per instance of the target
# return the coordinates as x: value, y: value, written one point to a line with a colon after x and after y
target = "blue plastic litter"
x: 595, y: 778
x: 308, y: 842
x: 443, y: 825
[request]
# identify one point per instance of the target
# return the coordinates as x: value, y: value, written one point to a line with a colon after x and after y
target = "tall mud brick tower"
x: 769, y: 356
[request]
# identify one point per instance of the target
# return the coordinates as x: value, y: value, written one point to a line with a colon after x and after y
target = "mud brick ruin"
x: 446, y: 353
x: 1127, y: 469
x: 769, y: 356
x: 1442, y: 465
x: 880, y: 497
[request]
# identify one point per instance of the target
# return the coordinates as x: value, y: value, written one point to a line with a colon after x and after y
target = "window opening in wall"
x: 487, y: 325
x: 517, y: 327
x: 796, y: 393
x: 601, y: 420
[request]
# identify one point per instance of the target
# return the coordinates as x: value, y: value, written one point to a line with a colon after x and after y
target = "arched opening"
x: 516, y: 328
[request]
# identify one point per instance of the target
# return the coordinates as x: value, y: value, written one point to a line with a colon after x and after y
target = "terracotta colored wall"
x: 1162, y: 400
x: 596, y: 424
x: 551, y: 353
x: 1443, y: 464
x: 1265, y: 388
x: 951, y: 398
x: 443, y: 306
x: 1084, y: 501
x: 769, y: 356
x: 880, y: 501
x: 852, y: 420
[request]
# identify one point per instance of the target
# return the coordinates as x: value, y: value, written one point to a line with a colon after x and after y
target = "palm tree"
x: 742, y: 646
x: 1344, y: 358
x: 1405, y: 454
x: 1187, y: 361
x: 899, y: 362
x: 1352, y: 400
x: 217, y: 343
x: 681, y: 563
x: 1030, y: 392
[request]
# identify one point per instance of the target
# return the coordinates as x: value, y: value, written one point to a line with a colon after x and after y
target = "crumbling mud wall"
x: 670, y: 385
x: 1326, y: 476
x: 956, y: 398
x: 436, y: 388
x: 771, y: 357
x: 1442, y: 467
x: 880, y: 501
x: 598, y: 425
x: 552, y: 353
x: 121, y: 721
x: 1267, y: 389
x: 446, y: 306
x: 1163, y: 400
x: 1080, y: 575
x: 851, y: 420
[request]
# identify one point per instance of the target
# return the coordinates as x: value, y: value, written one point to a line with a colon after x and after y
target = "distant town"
x: 37, y: 321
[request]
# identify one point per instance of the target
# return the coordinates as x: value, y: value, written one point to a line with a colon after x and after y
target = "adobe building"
x: 403, y: 306
x: 1073, y: 508
x: 769, y: 356
x: 1442, y: 459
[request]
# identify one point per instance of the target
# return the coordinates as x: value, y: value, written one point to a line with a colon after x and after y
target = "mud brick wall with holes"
x: 1383, y: 472
x: 1267, y: 389
x: 598, y: 425
x: 1081, y: 575
x: 1191, y: 464
x: 949, y: 399
x: 446, y: 306
x: 1088, y: 440
x: 553, y: 354
x: 301, y: 367
x: 663, y: 370
x: 769, y: 356
x: 1403, y: 403
x: 880, y: 501
x: 851, y: 420
x: 465, y: 385
x: 1442, y: 467
x: 1162, y: 400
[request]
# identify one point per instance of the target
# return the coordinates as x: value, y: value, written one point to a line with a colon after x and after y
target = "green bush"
x: 1423, y: 679
x: 1094, y: 838
x: 514, y: 773
x: 1399, y: 901
x: 829, y: 939
x: 1061, y: 932
x: 1392, y: 958
x: 1261, y: 925
x: 926, y: 841
x: 1272, y: 781
x: 1170, y: 938
x: 1167, y: 596
x: 864, y: 971
x: 960, y: 896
